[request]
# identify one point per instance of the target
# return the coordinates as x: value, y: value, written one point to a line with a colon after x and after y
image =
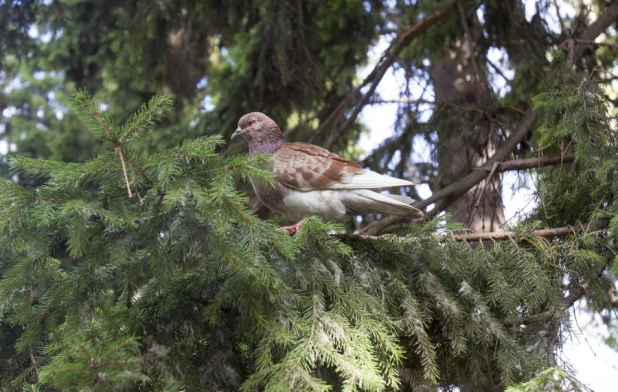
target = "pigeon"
x: 312, y: 181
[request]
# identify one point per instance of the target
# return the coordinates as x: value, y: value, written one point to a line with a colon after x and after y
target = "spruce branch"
x: 566, y: 303
x: 91, y: 115
x: 147, y: 116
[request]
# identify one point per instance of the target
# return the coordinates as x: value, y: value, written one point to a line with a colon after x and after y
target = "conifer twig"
x: 139, y: 122
x: 99, y: 118
x: 83, y: 348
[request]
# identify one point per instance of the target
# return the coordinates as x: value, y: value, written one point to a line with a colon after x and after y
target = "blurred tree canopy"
x: 130, y: 258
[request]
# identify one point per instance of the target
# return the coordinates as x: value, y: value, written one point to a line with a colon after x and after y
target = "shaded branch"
x: 577, y: 294
x: 584, y: 42
x: 566, y: 304
x: 530, y: 163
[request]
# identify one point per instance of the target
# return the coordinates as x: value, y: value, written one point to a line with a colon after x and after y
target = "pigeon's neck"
x: 265, y: 146
x: 266, y: 140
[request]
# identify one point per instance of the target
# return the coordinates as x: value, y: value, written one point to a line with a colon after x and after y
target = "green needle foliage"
x: 147, y: 272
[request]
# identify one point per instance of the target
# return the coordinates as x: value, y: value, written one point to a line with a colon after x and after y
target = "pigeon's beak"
x: 238, y: 132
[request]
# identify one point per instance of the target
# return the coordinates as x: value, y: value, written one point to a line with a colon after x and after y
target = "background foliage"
x: 132, y: 259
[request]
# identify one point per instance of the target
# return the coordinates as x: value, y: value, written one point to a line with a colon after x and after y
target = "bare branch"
x: 498, y: 70
x: 478, y: 200
x: 388, y: 58
x: 406, y: 101
x: 385, y: 224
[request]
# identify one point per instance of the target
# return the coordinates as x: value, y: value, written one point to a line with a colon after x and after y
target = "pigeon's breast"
x: 271, y: 195
x: 326, y: 204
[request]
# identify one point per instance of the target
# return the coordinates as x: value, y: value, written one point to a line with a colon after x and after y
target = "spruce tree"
x: 147, y: 271
x: 131, y: 257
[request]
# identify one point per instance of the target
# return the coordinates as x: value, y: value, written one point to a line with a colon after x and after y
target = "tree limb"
x: 492, y: 235
x: 449, y: 194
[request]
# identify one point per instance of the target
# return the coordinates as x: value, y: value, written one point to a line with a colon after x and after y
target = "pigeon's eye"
x: 250, y: 122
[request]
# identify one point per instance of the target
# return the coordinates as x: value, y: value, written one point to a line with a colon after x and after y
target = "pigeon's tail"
x: 367, y: 201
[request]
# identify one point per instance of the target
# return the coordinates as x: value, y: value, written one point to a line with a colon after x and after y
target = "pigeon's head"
x: 258, y: 127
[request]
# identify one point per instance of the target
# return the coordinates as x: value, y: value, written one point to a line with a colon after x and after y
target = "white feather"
x: 326, y: 204
x: 335, y: 205
x: 366, y: 201
x: 369, y: 180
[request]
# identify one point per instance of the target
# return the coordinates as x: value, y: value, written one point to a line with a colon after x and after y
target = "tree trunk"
x: 467, y: 137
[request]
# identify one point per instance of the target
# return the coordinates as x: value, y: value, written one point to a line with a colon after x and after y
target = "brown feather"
x: 308, y: 167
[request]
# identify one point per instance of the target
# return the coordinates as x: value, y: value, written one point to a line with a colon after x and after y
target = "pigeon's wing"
x: 307, y: 167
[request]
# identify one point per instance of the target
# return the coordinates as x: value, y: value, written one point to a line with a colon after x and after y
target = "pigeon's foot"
x: 292, y: 229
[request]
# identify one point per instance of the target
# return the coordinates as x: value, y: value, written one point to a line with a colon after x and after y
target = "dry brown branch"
x: 124, y: 170
x: 505, y: 235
